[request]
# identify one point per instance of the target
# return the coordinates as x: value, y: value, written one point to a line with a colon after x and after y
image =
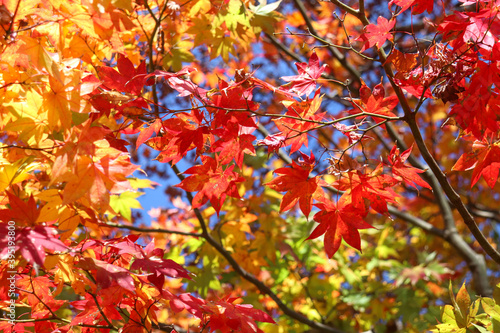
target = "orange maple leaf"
x: 299, y: 187
x: 374, y: 101
x: 295, y: 130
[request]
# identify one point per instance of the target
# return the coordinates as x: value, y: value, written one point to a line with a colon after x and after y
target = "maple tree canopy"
x: 306, y: 166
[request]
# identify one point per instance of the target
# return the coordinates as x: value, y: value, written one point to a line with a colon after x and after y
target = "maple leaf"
x: 305, y: 82
x: 233, y: 97
x: 295, y: 130
x: 22, y: 327
x: 152, y: 261
x: 377, y: 34
x: 228, y: 317
x: 181, y: 134
x: 32, y: 242
x: 148, y: 132
x: 413, y: 84
x: 476, y: 27
x: 235, y: 142
x: 92, y: 313
x: 185, y: 301
x: 298, y: 186
x: 40, y: 295
x: 484, y: 159
x: 404, y: 62
x: 369, y: 190
x: 375, y: 102
x: 187, y: 88
x: 349, y: 131
x: 25, y: 214
x: 418, y: 6
x: 129, y: 79
x: 404, y: 4
x: 338, y: 221
x: 475, y: 112
x: 212, y: 183
x: 108, y: 273
x: 404, y: 172
x: 273, y: 142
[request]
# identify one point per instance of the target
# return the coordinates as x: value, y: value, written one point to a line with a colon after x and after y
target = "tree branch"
x: 150, y: 230
x: 475, y: 261
x: 410, y: 118
x: 249, y: 277
x: 336, y: 53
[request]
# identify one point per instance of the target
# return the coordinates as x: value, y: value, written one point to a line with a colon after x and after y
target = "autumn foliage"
x: 308, y: 166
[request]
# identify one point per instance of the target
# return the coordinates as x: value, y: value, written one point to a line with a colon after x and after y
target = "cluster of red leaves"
x: 465, y: 73
x: 111, y: 276
x: 225, y: 129
x: 223, y: 314
x: 362, y: 191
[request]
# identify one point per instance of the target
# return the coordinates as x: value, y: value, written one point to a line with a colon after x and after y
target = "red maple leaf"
x: 338, y: 221
x: 368, y: 190
x: 273, y: 142
x: 375, y: 102
x: 212, y: 182
x: 181, y: 134
x: 32, y: 242
x: 235, y: 142
x: 23, y: 213
x: 295, y: 130
x: 418, y: 6
x: 480, y: 28
x: 484, y: 159
x: 413, y: 84
x: 377, y: 34
x: 186, y: 301
x: 152, y: 261
x: 476, y: 113
x: 403, y: 171
x: 298, y: 186
x: 148, y: 132
x: 129, y: 79
x: 222, y: 315
x: 92, y: 314
x: 107, y: 273
x: 305, y: 82
x: 229, y: 98
x: 39, y: 295
x: 227, y: 317
x: 7, y: 327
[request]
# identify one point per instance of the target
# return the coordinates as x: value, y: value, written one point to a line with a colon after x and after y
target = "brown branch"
x: 410, y: 118
x: 151, y: 46
x: 336, y: 53
x: 151, y: 230
x: 249, y: 277
x: 475, y: 262
x: 345, y: 7
x: 450, y: 192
